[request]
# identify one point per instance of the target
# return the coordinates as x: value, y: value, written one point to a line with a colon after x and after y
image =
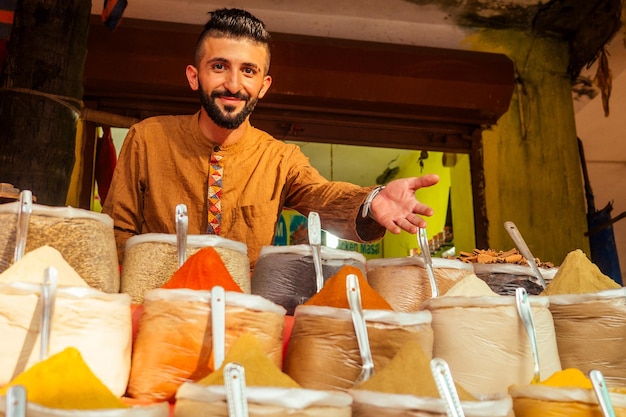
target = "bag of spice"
x: 63, y: 385
x: 286, y: 274
x: 505, y: 278
x: 485, y: 342
x: 96, y: 323
x: 406, y: 387
x: 268, y: 391
x: 590, y: 332
x: 404, y: 282
x: 567, y: 393
x: 174, y: 340
x: 151, y: 259
x: 323, y: 351
x: 84, y: 238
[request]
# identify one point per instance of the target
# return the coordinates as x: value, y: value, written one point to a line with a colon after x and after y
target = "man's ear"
x: 192, y: 77
x: 267, y: 81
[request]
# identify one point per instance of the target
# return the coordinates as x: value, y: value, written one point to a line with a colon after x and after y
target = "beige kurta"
x: 165, y: 162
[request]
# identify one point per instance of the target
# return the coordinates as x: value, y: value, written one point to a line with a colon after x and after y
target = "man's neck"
x: 219, y: 135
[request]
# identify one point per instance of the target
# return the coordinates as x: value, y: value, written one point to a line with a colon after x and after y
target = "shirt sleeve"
x: 338, y: 203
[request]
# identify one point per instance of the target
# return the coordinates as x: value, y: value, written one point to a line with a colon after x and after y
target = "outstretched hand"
x: 396, y: 207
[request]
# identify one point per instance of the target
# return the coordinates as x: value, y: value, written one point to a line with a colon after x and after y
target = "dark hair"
x: 236, y: 24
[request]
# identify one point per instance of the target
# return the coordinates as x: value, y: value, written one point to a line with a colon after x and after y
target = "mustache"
x: 225, y: 93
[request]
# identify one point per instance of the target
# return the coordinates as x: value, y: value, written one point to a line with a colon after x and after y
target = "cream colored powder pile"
x: 31, y: 268
x: 470, y: 286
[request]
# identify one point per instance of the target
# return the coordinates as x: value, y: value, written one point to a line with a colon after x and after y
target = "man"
x: 234, y: 178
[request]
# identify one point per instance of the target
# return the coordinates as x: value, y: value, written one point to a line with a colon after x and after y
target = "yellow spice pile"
x: 259, y: 369
x: 65, y: 381
x: 578, y: 275
x: 409, y: 373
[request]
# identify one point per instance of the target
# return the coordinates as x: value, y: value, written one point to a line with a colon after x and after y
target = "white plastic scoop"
x: 315, y: 240
x: 353, y: 291
x: 235, y: 384
x: 422, y: 239
x: 23, y: 218
x: 16, y: 401
x: 525, y: 314
x: 602, y: 393
x: 525, y: 251
x: 182, y: 222
x: 445, y: 386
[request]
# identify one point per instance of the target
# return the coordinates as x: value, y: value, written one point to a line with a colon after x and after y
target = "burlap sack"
x: 151, y: 259
x: 485, y: 343
x: 174, y: 340
x: 84, y: 238
x: 377, y: 404
x: 286, y: 274
x: 96, y: 323
x: 193, y: 400
x: 542, y: 400
x: 323, y: 352
x: 148, y: 410
x: 404, y: 283
x: 591, y: 332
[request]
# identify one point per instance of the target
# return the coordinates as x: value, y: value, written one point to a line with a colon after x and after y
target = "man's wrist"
x: 365, y: 212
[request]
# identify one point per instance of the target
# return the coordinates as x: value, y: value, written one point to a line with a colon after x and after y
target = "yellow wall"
x: 532, y: 167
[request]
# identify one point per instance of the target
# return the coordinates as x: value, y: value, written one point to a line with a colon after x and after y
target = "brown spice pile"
x: 490, y: 256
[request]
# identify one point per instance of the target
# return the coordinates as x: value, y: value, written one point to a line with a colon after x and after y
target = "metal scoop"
x: 445, y: 386
x: 422, y: 240
x: 48, y: 299
x: 602, y: 393
x: 360, y: 328
x: 525, y: 314
x: 523, y: 248
x: 23, y: 218
x: 182, y: 222
x: 218, y: 324
x: 315, y: 240
x: 235, y: 384
x: 16, y: 401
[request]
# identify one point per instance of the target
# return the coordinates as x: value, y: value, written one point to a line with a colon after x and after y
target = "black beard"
x: 226, y: 119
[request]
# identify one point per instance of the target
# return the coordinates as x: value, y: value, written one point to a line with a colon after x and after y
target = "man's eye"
x: 218, y: 67
x: 249, y: 71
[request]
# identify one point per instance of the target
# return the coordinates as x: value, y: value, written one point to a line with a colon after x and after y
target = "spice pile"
x: 490, y: 256
x: 65, y: 381
x: 578, y: 275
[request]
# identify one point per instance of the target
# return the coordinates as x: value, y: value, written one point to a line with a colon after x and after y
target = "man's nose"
x: 233, y: 81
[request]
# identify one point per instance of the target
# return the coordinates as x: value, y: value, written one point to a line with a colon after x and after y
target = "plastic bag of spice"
x: 323, y: 352
x: 505, y: 278
x: 404, y: 282
x: 269, y: 391
x: 174, y: 340
x: 286, y: 274
x: 151, y: 259
x: 407, y: 387
x: 590, y: 332
x: 96, y: 323
x: 84, y: 238
x: 485, y: 343
x: 568, y: 393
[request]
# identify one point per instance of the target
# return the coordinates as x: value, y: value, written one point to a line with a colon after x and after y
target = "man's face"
x: 230, y: 79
